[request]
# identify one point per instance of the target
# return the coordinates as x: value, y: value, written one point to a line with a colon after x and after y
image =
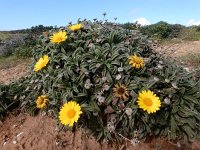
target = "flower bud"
x: 118, y: 77
x: 128, y: 111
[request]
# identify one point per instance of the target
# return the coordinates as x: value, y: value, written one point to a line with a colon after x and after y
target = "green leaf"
x: 191, y: 99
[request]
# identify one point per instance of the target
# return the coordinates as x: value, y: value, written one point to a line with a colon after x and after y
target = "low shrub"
x: 25, y: 50
x: 198, y: 28
x: 162, y: 30
x: 38, y: 30
x: 9, y: 97
x: 7, y: 46
x: 109, y: 80
x: 190, y: 34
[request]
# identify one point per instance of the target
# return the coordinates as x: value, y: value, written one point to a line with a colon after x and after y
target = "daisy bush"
x: 110, y: 81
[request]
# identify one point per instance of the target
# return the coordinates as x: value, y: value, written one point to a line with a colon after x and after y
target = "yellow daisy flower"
x: 136, y: 62
x: 41, y: 63
x: 148, y: 101
x: 75, y: 27
x: 41, y: 101
x: 120, y: 91
x: 70, y: 113
x: 58, y: 37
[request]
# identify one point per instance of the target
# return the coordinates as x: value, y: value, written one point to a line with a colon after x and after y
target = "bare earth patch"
x: 180, y: 49
x: 185, y: 53
x: 23, y: 132
x: 13, y: 73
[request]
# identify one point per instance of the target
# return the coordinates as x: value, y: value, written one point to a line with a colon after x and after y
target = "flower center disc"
x: 121, y: 91
x: 59, y: 39
x: 71, y: 113
x: 137, y: 60
x: 148, y: 102
x: 41, y: 101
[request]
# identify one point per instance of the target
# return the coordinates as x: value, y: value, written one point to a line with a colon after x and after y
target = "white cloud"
x: 142, y: 21
x: 193, y: 22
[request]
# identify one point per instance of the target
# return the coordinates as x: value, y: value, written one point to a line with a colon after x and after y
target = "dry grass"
x: 192, y: 58
x: 4, y: 36
x: 190, y: 35
x: 11, y: 61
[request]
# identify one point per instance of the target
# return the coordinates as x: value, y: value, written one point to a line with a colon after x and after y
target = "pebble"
x: 20, y: 134
x: 57, y: 128
x: 14, y: 126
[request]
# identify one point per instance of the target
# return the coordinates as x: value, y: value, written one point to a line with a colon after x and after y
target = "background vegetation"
x: 21, y: 42
x: 164, y: 31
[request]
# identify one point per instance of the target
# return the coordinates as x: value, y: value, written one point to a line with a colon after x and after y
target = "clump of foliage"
x: 88, y: 62
x: 39, y: 29
x: 198, y: 28
x: 130, y: 26
x: 9, y: 97
x: 165, y: 31
x: 190, y: 33
x: 21, y: 42
x: 8, y: 45
x: 162, y: 30
x: 25, y: 49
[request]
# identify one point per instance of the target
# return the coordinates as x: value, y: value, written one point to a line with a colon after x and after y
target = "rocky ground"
x: 19, y: 131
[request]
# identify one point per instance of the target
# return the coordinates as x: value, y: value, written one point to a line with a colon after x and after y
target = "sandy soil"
x: 178, y: 52
x: 180, y: 49
x: 23, y: 132
x: 10, y: 74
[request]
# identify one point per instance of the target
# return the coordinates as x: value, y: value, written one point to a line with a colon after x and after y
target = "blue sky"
x: 18, y: 14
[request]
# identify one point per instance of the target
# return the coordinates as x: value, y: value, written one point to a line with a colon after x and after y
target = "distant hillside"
x: 160, y: 31
x: 165, y: 31
x: 35, y: 29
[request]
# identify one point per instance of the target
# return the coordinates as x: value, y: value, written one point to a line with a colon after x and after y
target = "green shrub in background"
x: 130, y: 26
x: 26, y: 49
x: 198, y: 28
x: 162, y: 30
x: 8, y: 45
x: 89, y: 64
x: 38, y: 30
x: 190, y: 34
x: 23, y: 51
x: 20, y: 42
